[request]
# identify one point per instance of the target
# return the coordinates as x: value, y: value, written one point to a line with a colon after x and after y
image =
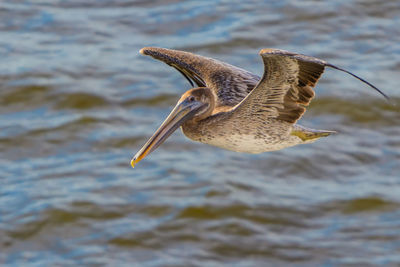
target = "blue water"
x: 77, y: 101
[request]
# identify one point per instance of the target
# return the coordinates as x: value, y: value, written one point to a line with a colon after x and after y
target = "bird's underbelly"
x: 251, y: 143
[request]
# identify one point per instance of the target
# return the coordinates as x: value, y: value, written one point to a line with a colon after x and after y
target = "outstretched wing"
x: 231, y: 84
x: 286, y: 87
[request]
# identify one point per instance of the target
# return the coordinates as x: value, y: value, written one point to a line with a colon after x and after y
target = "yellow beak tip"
x: 133, y: 162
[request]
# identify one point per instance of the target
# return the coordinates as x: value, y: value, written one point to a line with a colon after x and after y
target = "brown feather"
x: 283, y: 92
x: 231, y: 84
x: 286, y: 86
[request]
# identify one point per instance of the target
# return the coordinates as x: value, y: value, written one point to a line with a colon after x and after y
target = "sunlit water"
x: 77, y: 101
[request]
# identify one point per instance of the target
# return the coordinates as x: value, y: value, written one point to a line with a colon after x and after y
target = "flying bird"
x: 234, y: 109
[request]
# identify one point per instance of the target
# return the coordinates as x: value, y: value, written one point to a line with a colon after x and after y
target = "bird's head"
x: 193, y: 106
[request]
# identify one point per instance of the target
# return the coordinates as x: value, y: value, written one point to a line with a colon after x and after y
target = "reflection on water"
x: 77, y: 101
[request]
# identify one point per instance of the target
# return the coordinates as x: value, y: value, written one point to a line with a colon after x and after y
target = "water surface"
x: 77, y: 101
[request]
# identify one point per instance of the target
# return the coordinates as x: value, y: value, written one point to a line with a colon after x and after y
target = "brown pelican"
x: 236, y: 110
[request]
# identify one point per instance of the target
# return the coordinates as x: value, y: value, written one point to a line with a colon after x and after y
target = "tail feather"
x: 307, y: 134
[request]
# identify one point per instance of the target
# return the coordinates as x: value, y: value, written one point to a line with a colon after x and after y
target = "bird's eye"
x: 191, y: 98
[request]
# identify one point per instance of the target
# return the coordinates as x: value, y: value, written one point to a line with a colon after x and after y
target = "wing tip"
x: 269, y: 51
x: 150, y: 50
x: 301, y: 57
x: 146, y: 50
x: 273, y: 51
x: 143, y: 51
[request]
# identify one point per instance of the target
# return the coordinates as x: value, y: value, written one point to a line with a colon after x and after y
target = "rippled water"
x: 77, y: 101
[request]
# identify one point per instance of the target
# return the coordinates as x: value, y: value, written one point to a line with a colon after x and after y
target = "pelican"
x: 234, y: 109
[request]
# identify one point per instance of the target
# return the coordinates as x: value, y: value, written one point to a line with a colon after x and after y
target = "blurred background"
x: 77, y: 101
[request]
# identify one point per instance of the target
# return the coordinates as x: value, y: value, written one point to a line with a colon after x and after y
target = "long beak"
x: 182, y: 112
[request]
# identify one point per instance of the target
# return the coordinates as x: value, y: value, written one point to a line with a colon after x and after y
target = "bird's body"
x: 236, y: 110
x: 249, y: 135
